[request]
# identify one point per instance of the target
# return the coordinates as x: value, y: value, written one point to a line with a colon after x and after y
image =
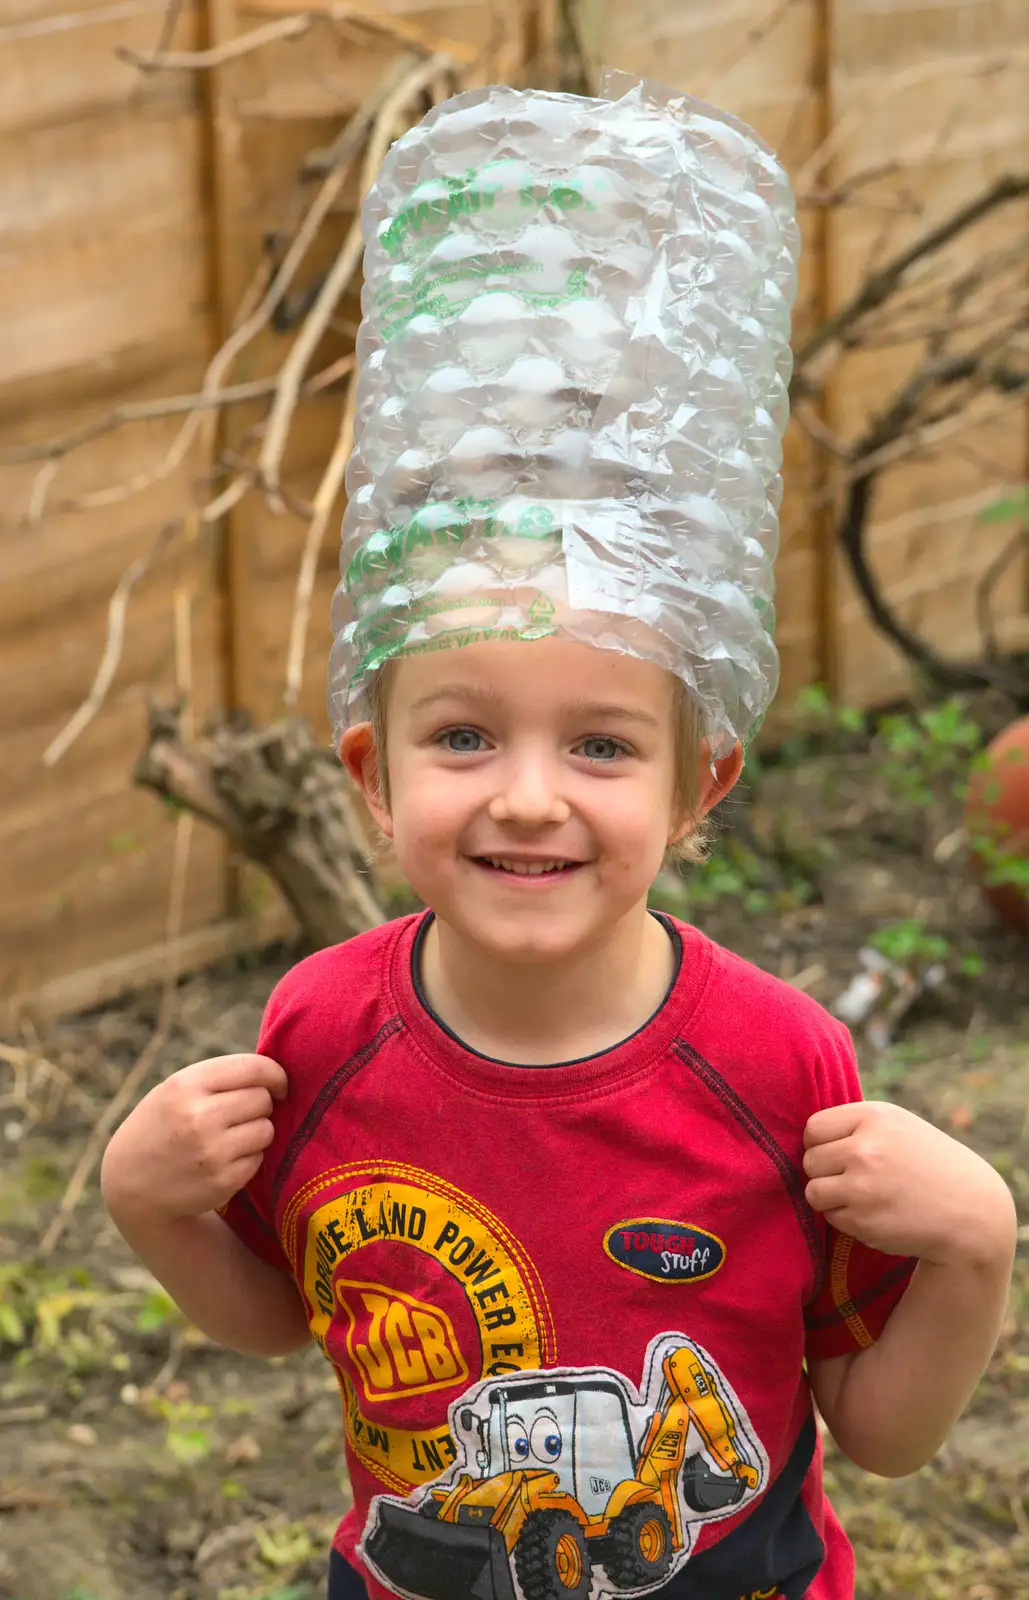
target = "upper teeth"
x: 529, y: 867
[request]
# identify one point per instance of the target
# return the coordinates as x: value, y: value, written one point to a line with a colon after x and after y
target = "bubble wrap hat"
x: 574, y: 359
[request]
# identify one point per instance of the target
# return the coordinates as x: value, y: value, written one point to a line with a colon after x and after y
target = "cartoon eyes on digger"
x: 542, y: 1444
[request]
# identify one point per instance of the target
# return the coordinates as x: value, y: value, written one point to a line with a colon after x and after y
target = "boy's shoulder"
x: 336, y: 997
x: 758, y: 992
x: 770, y: 1037
x: 351, y: 962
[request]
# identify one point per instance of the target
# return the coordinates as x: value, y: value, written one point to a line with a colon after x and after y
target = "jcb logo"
x: 400, y: 1345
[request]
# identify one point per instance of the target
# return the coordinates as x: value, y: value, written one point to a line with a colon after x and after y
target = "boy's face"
x: 531, y: 789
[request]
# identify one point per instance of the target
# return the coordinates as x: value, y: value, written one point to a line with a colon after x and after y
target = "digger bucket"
x: 440, y: 1560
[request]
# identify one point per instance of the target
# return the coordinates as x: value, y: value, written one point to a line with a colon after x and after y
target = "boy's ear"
x: 717, y: 778
x: 360, y: 756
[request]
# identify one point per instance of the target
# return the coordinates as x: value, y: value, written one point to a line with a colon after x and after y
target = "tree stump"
x: 285, y: 803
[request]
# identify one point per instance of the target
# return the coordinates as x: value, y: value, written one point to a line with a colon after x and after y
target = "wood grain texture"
x: 133, y: 214
x: 946, y: 88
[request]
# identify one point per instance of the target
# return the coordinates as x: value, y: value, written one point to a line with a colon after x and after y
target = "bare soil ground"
x: 137, y: 1460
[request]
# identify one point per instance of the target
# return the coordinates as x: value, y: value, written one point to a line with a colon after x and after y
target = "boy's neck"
x: 535, y: 1014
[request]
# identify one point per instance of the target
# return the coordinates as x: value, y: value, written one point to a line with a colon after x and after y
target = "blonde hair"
x: 692, y: 848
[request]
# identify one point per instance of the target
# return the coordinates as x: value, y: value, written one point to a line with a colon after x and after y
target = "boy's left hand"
x: 896, y: 1183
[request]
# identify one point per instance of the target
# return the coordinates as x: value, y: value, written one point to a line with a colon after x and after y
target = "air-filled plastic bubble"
x: 574, y: 360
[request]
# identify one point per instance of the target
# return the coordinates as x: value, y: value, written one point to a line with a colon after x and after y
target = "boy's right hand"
x: 194, y: 1140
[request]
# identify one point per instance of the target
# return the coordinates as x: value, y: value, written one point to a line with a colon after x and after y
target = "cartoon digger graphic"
x: 582, y: 1487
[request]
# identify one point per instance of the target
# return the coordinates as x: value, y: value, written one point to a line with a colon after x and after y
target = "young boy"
x: 582, y: 1209
x: 541, y: 1131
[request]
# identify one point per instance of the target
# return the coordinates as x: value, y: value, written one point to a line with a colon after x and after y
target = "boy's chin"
x: 529, y: 936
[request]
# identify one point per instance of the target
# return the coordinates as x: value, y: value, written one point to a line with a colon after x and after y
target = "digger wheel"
x: 551, y: 1559
x: 639, y: 1547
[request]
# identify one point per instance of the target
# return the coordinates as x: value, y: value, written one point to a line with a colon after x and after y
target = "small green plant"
x: 158, y: 1311
x: 909, y: 944
x: 1001, y: 868
x: 731, y: 872
x: 927, y: 749
x: 58, y: 1315
x: 813, y: 718
x: 186, y: 1438
x: 289, y: 1546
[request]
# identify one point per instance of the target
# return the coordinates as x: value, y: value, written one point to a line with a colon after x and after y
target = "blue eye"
x: 602, y: 749
x: 463, y: 741
x: 520, y: 1447
x: 552, y: 1444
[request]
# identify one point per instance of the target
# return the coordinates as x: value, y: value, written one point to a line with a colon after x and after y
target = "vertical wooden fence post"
x: 823, y: 485
x: 230, y: 273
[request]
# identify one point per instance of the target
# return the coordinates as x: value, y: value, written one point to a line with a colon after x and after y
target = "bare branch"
x: 582, y: 79
x: 105, y: 672
x: 876, y: 289
x: 169, y: 23
x: 940, y: 370
x: 963, y: 67
x: 1016, y: 545
x: 67, y: 21
x: 292, y: 26
x: 338, y: 277
x: 357, y: 129
x: 956, y: 675
x: 141, y: 411
x: 384, y: 22
x: 200, y: 60
x: 147, y: 1058
x: 943, y: 425
x: 324, y: 500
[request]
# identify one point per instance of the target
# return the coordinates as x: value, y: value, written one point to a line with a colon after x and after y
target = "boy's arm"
x: 897, y: 1183
x: 182, y: 1154
x: 233, y: 1296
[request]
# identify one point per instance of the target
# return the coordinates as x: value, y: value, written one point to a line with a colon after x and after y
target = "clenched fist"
x: 896, y: 1183
x: 196, y: 1139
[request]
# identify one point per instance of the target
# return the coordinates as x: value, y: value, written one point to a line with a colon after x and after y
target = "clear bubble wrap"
x: 574, y: 359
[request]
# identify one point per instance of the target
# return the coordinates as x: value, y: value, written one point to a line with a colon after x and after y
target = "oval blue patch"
x: 669, y: 1252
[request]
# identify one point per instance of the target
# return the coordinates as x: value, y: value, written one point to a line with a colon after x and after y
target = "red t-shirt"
x: 568, y: 1307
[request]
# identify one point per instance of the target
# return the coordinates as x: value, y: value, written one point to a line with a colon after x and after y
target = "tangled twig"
x: 137, y: 411
x: 324, y: 500
x: 338, y: 277
x: 358, y: 128
x: 292, y: 26
x: 116, y: 609
x: 877, y: 289
x: 144, y: 1064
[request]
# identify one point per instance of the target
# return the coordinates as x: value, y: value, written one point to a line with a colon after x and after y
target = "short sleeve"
x: 250, y: 1213
x: 860, y: 1286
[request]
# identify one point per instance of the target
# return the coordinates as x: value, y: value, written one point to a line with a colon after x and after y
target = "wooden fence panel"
x: 947, y: 87
x: 103, y: 301
x: 268, y: 119
x: 763, y: 66
x: 135, y: 211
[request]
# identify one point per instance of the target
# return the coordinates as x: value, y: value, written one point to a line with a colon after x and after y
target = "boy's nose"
x: 529, y: 798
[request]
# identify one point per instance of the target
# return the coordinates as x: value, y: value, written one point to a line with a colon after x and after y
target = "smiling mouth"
x: 527, y: 869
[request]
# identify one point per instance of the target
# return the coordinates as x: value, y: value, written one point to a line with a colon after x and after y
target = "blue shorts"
x: 344, y: 1582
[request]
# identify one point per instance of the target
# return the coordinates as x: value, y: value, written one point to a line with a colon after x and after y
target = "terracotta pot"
x: 997, y: 808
